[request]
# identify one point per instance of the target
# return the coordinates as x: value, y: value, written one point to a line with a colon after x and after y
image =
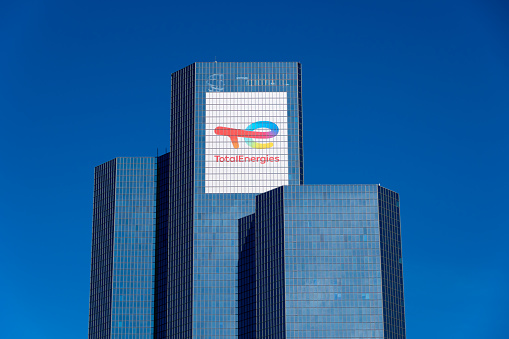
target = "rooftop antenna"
x: 215, y: 59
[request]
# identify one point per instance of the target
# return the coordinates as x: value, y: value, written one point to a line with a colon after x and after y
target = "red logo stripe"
x: 234, y: 134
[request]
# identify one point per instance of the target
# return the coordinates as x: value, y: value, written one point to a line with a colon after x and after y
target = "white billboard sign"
x: 246, y: 142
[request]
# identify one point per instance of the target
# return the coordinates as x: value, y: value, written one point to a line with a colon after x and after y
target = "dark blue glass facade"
x: 123, y: 249
x: 204, y: 233
x: 180, y: 232
x: 161, y: 251
x: 220, y: 238
x: 246, y: 278
x: 391, y: 264
x: 270, y: 265
x: 328, y: 263
x: 102, y: 250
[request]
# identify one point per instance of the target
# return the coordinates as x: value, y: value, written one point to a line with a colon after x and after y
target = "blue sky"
x: 411, y: 95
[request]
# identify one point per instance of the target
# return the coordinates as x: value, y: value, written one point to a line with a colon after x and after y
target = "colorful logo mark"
x: 249, y: 134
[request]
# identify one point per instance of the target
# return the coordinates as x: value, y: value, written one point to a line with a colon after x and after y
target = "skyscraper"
x: 179, y: 249
x: 322, y: 261
x: 122, y: 275
x: 236, y: 131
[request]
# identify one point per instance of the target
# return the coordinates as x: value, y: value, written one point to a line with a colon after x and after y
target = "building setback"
x: 220, y: 238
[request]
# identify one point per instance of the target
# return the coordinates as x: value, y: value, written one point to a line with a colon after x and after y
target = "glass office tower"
x: 236, y: 131
x: 123, y: 249
x: 220, y: 238
x: 322, y: 262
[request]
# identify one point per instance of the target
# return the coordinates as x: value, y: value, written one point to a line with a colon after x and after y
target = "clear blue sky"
x: 412, y: 95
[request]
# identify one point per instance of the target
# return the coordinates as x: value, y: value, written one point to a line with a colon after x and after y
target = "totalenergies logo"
x: 249, y: 134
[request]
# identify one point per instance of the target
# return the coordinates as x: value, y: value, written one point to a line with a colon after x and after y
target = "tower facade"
x: 322, y: 261
x: 236, y: 131
x: 123, y: 248
x: 220, y: 238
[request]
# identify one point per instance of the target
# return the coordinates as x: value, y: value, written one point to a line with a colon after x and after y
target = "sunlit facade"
x: 220, y: 238
x: 122, y: 276
x: 322, y: 261
x: 213, y: 185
